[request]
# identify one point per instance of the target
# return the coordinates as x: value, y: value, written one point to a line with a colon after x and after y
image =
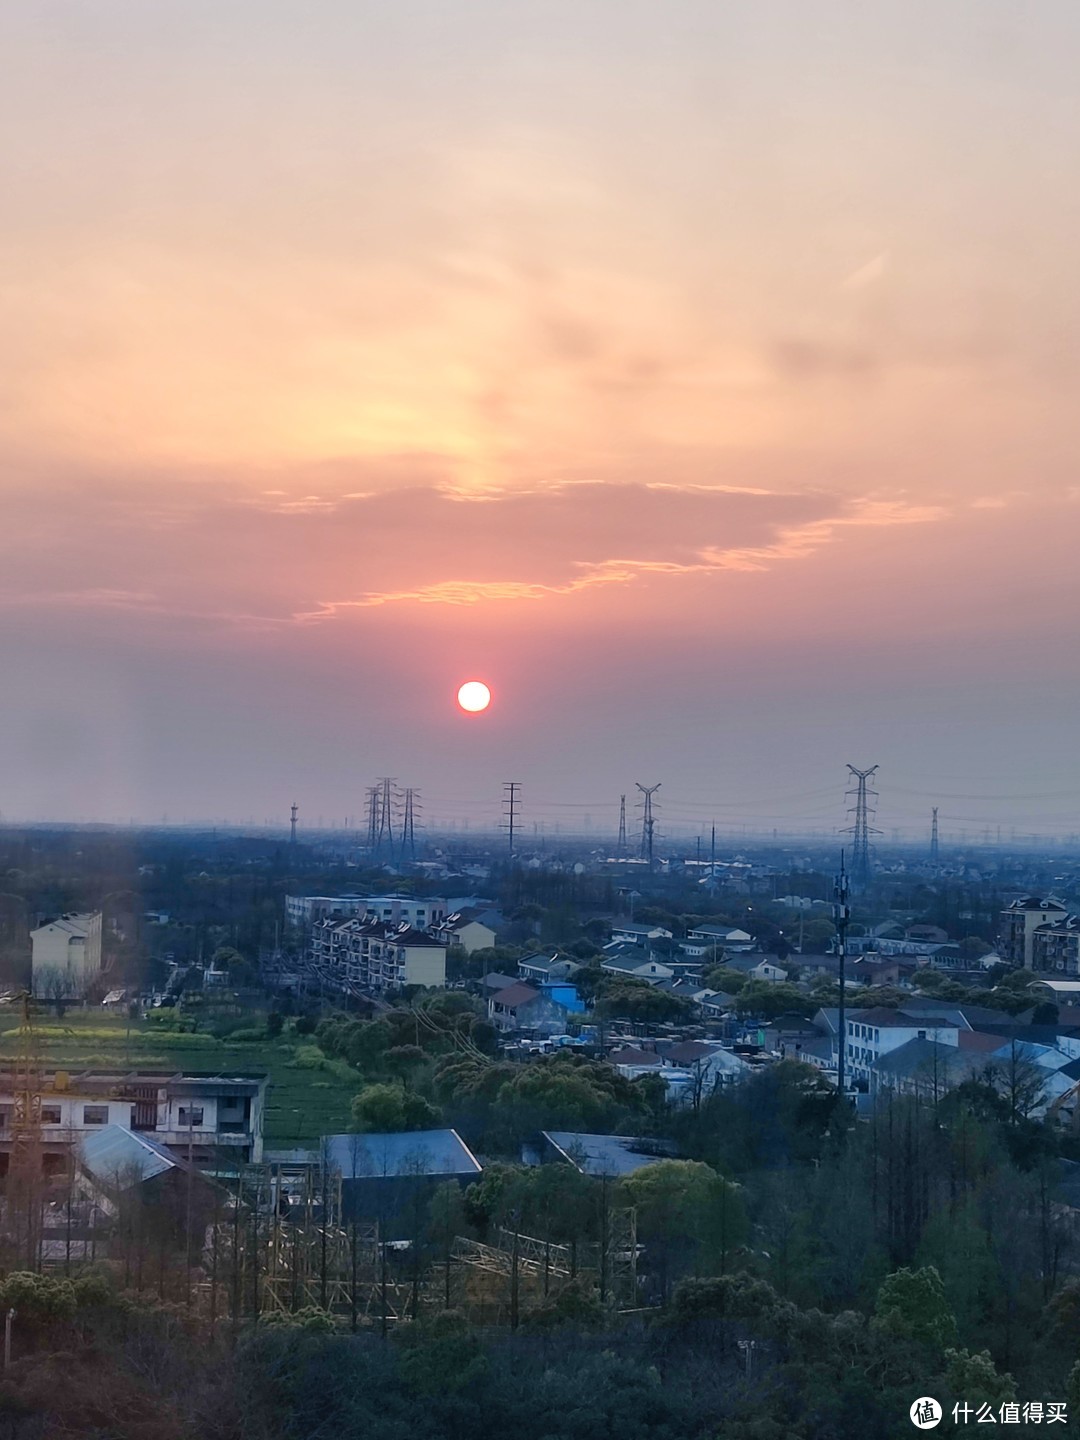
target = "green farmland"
x: 309, y: 1095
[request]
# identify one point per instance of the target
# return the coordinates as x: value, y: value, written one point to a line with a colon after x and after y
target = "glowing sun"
x: 474, y: 695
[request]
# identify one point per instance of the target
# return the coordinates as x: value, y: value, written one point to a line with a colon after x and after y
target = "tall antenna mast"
x: 861, y: 830
x: 620, y: 848
x: 648, y: 821
x: 292, y: 823
x: 933, y: 837
x: 511, y: 808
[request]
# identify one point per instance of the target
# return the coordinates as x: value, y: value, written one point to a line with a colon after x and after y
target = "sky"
x: 699, y: 376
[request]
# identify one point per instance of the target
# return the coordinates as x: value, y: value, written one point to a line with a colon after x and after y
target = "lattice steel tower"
x: 648, y: 821
x: 408, y: 824
x: 933, y: 836
x: 861, y: 830
x: 620, y: 848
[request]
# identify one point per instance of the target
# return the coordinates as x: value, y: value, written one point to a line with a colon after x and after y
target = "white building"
x: 706, y: 938
x: 212, y: 1117
x: 877, y: 1032
x: 67, y: 952
x: 422, y: 914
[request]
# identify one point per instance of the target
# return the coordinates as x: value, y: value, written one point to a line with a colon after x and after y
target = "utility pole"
x: 648, y: 822
x: 934, y: 837
x: 511, y: 809
x: 841, y: 918
x: 292, y: 823
x: 620, y: 848
x: 861, y: 830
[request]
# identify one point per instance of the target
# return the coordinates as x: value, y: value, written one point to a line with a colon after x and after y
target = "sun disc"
x: 474, y: 696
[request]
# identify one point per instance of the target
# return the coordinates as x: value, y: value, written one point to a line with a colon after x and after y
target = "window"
x: 50, y: 1114
x: 191, y: 1115
x: 95, y: 1115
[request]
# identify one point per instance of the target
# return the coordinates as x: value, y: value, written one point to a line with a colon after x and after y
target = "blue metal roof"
x: 407, y: 1152
x: 120, y: 1157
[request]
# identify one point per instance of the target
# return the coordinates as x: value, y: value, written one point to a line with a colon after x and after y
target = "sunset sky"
x: 702, y: 376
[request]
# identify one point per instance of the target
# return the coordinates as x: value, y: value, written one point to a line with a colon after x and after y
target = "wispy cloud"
x: 792, y: 543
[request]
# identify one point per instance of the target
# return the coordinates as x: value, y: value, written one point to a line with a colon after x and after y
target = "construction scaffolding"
x: 275, y: 1250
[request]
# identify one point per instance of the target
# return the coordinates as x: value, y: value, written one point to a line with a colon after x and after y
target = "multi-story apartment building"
x: 212, y: 1119
x: 422, y: 914
x: 1020, y: 922
x: 1056, y: 947
x: 375, y: 955
x: 66, y: 954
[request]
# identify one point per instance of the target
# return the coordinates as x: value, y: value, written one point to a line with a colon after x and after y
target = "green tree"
x: 911, y: 1305
x: 689, y: 1217
x: 639, y: 1002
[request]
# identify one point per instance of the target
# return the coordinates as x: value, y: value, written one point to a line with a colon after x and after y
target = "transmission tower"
x: 861, y: 830
x: 371, y: 801
x: 408, y: 823
x: 511, y: 809
x: 620, y: 849
x: 648, y: 821
x: 292, y: 824
x: 933, y: 837
x: 386, y: 807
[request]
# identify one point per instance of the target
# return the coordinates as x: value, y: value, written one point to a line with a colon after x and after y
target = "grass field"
x: 308, y: 1096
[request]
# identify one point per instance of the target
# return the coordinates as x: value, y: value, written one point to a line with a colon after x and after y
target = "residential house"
x: 638, y: 967
x: 1056, y: 947
x: 1019, y: 923
x: 876, y: 1032
x: 523, y: 1007
x: 542, y: 969
x: 66, y: 955
x: 631, y: 934
x: 633, y: 1060
x: 728, y: 938
x: 207, y: 1117
x: 471, y: 929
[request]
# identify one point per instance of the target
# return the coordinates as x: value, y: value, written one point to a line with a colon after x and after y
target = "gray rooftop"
x: 930, y: 1062
x: 408, y: 1152
x: 608, y: 1154
x: 121, y: 1157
